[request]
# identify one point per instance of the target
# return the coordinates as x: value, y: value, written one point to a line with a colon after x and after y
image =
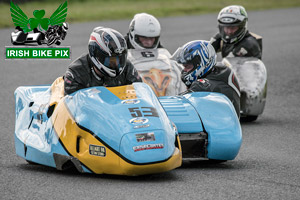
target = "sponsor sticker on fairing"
x: 130, y: 101
x: 139, y: 120
x: 96, y: 150
x: 148, y: 147
x: 145, y: 137
x: 141, y: 126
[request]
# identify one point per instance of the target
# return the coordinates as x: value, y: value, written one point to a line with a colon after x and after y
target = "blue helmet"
x: 201, y: 55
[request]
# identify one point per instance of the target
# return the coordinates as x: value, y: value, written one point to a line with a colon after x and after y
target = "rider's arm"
x: 201, y: 85
x: 216, y: 42
x: 132, y: 74
x: 254, y: 48
x: 71, y: 83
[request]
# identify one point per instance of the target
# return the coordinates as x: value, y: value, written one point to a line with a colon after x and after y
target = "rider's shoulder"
x: 252, y: 39
x: 80, y: 64
x: 220, y: 66
x: 217, y: 36
x: 220, y: 72
x: 216, y: 39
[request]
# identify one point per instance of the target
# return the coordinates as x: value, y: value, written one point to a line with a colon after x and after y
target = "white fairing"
x: 33, y: 36
x: 14, y: 36
x: 156, y: 68
x: 252, y: 76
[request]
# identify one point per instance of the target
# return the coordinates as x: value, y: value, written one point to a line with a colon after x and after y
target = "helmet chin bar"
x: 96, y: 73
x: 102, y: 69
x: 236, y: 37
x: 135, y: 42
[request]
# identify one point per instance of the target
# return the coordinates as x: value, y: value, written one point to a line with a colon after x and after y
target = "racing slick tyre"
x: 249, y: 118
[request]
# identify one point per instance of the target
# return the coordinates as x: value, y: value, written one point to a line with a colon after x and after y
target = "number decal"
x: 135, y: 112
x: 143, y: 112
x: 149, y: 112
x: 147, y: 54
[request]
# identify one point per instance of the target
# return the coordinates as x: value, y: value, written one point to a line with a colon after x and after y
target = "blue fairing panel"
x: 35, y: 139
x: 119, y: 130
x: 221, y: 123
x: 182, y: 113
x: 209, y: 112
x: 105, y: 109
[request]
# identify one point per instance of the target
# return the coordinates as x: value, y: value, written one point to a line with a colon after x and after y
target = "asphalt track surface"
x: 267, y: 167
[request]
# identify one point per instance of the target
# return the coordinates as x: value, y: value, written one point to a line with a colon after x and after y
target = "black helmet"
x: 108, y: 51
x: 233, y: 17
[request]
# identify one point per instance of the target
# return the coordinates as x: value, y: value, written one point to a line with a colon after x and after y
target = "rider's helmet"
x: 233, y: 23
x: 198, y: 58
x: 144, y: 25
x: 108, y: 51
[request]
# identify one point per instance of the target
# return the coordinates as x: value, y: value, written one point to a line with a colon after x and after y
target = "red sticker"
x: 201, y: 80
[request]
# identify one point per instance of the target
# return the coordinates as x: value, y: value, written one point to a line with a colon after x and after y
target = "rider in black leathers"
x: 219, y: 79
x: 233, y: 36
x: 106, y: 66
x: 248, y: 47
x: 201, y: 73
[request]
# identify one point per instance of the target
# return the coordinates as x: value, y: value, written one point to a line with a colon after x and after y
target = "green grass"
x: 99, y: 10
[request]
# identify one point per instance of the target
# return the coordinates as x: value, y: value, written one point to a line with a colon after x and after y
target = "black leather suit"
x: 80, y: 74
x: 220, y: 79
x: 247, y: 47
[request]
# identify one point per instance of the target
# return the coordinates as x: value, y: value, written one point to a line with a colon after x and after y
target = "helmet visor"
x: 232, y: 31
x: 147, y: 42
x: 114, y: 62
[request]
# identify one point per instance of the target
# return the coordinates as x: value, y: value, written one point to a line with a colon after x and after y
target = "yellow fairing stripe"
x: 76, y: 141
x: 57, y: 91
x: 123, y: 92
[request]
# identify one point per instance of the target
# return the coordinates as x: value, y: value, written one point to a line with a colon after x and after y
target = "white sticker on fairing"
x: 96, y: 150
x: 148, y: 147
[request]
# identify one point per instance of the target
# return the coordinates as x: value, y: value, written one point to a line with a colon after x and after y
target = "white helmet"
x: 233, y: 16
x: 144, y: 25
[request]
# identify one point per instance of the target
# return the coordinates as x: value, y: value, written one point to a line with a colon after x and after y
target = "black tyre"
x: 213, y: 161
x: 57, y: 42
x: 249, y: 118
x: 39, y: 41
